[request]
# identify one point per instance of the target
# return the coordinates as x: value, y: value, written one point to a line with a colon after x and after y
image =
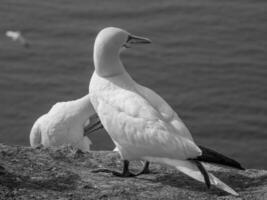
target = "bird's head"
x: 108, y: 45
x: 116, y: 39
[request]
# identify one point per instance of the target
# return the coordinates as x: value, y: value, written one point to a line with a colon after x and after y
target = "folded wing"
x: 144, y: 128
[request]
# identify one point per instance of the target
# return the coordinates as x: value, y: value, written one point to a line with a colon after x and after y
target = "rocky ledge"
x: 62, y: 173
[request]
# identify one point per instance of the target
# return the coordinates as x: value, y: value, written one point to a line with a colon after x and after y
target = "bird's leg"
x: 125, y: 172
x: 145, y: 169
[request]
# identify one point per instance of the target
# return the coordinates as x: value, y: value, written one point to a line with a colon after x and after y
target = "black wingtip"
x: 211, y: 156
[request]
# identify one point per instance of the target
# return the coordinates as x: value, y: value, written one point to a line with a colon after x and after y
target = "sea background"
x: 208, y: 59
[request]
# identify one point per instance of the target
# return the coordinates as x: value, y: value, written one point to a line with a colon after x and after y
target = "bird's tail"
x: 211, y: 156
x: 191, y: 169
x: 35, y: 135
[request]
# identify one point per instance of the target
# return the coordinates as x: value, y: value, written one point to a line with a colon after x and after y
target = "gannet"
x: 67, y: 123
x: 17, y: 37
x: 140, y: 122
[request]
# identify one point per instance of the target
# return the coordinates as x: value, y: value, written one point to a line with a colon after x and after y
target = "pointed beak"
x: 133, y: 39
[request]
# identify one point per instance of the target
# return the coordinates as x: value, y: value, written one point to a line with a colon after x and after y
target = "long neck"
x: 107, y: 62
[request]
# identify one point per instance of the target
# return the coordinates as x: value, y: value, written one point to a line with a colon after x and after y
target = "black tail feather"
x: 211, y: 156
x: 203, y: 172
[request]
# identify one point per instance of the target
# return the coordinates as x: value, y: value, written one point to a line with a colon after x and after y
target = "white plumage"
x: 64, y: 124
x: 17, y: 37
x: 14, y: 35
x: 136, y: 119
x: 141, y: 124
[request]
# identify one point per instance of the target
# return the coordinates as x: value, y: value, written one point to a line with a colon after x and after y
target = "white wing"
x: 139, y: 129
x: 17, y: 36
x: 14, y: 35
x: 169, y: 115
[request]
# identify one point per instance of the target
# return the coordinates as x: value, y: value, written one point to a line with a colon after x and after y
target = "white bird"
x: 141, y: 124
x: 17, y: 37
x: 67, y: 123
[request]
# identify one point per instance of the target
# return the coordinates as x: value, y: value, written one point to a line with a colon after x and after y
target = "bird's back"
x: 64, y: 123
x: 138, y: 124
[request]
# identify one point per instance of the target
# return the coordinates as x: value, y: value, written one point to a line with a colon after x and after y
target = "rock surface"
x: 60, y: 173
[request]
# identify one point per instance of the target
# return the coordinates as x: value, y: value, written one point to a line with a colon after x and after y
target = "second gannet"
x: 67, y: 123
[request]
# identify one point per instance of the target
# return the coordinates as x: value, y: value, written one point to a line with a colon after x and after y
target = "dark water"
x: 208, y: 60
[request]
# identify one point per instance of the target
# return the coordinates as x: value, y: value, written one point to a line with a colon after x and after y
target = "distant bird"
x: 17, y: 37
x: 66, y: 123
x: 140, y: 122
